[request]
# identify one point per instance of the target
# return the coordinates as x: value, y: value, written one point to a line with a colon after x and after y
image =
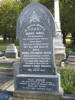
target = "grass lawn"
x: 3, y: 45
x: 67, y: 79
x: 8, y: 67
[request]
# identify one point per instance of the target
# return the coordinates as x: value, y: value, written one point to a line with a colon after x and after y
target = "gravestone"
x: 35, y: 74
x: 11, y: 51
x: 59, y: 48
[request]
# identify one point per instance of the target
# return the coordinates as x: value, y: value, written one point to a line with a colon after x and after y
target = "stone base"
x: 20, y: 95
x: 59, y: 58
x: 43, y: 83
x: 11, y: 55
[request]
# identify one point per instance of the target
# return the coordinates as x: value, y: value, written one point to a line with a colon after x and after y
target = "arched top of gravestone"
x: 36, y: 13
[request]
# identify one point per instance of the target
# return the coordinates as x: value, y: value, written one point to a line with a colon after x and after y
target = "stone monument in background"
x: 59, y: 48
x: 11, y: 51
x: 36, y: 77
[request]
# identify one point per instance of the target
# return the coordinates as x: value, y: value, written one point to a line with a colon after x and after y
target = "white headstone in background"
x: 11, y: 51
x: 58, y: 41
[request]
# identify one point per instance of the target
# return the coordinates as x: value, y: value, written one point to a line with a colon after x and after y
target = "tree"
x: 67, y: 9
x: 67, y: 13
x: 48, y: 3
x: 9, y: 12
x: 8, y: 16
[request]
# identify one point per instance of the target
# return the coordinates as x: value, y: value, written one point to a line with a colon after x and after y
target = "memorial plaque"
x: 35, y: 30
x: 44, y: 83
x: 37, y: 70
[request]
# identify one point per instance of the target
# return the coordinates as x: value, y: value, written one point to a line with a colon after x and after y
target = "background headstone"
x: 11, y: 51
x: 59, y: 48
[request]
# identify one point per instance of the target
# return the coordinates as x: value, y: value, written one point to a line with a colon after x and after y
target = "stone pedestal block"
x: 11, y: 51
x: 48, y: 83
x: 20, y: 95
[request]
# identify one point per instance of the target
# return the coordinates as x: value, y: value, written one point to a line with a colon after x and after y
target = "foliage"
x: 69, y: 50
x: 4, y: 67
x: 48, y: 4
x: 9, y: 12
x: 35, y: 0
x: 68, y: 79
x: 67, y: 9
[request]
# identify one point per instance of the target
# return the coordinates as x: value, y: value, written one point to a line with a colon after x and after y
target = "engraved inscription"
x: 35, y: 53
x: 43, y: 84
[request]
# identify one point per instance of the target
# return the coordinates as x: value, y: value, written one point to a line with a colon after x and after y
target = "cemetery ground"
x: 6, y: 78
x: 67, y: 77
x: 67, y: 82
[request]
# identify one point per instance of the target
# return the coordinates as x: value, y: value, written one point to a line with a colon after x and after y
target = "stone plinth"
x: 11, y: 51
x: 28, y: 95
x: 48, y: 83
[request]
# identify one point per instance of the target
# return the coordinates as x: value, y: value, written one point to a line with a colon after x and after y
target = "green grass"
x: 67, y: 79
x: 69, y: 50
x: 3, y: 45
x: 9, y: 67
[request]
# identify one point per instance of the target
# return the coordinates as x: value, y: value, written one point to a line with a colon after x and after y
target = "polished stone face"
x: 35, y: 30
x: 44, y: 83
